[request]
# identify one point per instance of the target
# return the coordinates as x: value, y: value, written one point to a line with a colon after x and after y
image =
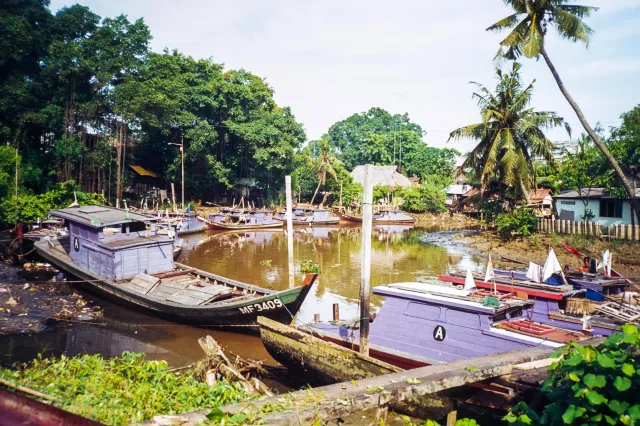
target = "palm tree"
x: 529, y: 28
x: 324, y: 164
x: 510, y: 133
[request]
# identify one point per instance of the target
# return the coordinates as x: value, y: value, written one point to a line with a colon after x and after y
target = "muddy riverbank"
x: 32, y: 301
x: 626, y: 255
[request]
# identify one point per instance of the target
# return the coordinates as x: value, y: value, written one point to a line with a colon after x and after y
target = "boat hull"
x: 279, y: 306
x: 217, y: 225
x: 357, y: 219
x: 321, y: 361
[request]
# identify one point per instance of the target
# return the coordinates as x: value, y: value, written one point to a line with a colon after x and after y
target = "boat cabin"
x: 392, y: 216
x: 114, y: 243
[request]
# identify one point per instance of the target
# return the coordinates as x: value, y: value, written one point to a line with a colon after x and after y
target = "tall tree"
x: 529, y: 25
x: 324, y: 164
x: 510, y: 134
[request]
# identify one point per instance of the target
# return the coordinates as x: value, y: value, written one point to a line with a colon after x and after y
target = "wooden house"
x: 115, y: 244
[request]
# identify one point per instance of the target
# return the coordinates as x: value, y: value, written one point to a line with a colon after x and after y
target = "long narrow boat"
x: 120, y: 258
x: 383, y: 216
x: 248, y: 219
x: 421, y: 324
x: 597, y: 282
x: 310, y: 216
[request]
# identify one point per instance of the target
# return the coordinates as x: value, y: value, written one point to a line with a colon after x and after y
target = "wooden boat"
x: 184, y: 223
x: 597, y: 282
x: 309, y: 216
x: 554, y: 305
x: 177, y: 247
x: 244, y: 219
x: 319, y: 361
x: 382, y: 217
x: 135, y: 266
x: 421, y: 324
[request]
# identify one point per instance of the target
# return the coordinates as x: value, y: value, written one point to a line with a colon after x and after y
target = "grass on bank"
x: 120, y: 390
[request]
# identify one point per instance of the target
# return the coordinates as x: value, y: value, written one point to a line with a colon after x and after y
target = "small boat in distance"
x: 243, y: 219
x: 121, y: 256
x: 382, y: 217
x: 309, y: 216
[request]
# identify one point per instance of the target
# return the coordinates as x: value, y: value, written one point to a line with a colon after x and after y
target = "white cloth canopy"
x: 469, y: 283
x: 551, y: 266
x: 535, y: 272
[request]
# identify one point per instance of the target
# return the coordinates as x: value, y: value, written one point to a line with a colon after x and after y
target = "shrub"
x: 517, y: 222
x: 423, y: 198
x: 590, y: 385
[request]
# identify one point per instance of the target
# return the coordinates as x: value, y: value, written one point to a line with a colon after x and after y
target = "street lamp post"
x: 181, y: 145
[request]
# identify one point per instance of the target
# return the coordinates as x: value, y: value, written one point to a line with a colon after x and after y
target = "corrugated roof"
x: 99, y: 216
x: 144, y: 172
x: 382, y: 176
x: 457, y: 189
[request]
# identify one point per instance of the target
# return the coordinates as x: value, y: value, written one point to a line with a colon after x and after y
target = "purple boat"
x: 310, y: 216
x: 427, y: 324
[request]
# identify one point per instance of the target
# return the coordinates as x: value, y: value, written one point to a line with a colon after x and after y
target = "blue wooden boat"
x: 421, y: 324
x: 308, y: 216
x: 238, y: 219
x: 183, y: 223
x: 121, y: 256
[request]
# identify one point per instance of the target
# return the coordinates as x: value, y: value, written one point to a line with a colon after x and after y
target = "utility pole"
x: 181, y: 145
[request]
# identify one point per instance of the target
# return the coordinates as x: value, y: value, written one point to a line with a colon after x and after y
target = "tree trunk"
x: 525, y: 192
x: 605, y: 151
x: 316, y: 193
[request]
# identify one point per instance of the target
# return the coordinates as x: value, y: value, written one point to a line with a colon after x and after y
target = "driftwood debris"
x: 217, y: 364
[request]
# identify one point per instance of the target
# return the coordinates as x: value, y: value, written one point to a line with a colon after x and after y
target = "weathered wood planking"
x: 328, y: 362
x: 429, y: 380
x: 198, y: 295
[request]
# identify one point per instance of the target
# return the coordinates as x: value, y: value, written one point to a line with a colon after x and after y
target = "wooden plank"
x: 190, y: 297
x: 328, y: 402
x: 211, y: 290
x: 175, y: 273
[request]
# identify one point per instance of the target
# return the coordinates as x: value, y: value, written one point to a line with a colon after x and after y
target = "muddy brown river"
x: 399, y: 253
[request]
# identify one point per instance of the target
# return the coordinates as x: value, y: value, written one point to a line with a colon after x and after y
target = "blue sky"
x: 330, y: 59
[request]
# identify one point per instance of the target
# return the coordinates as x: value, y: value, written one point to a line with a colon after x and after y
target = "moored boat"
x: 421, y: 324
x: 310, y: 216
x: 243, y: 219
x: 120, y: 258
x: 383, y: 217
x: 183, y: 223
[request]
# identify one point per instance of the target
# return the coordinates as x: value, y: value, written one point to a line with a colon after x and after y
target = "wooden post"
x: 629, y: 232
x: 452, y: 417
x: 316, y: 318
x: 173, y: 196
x: 336, y: 312
x: 341, y: 196
x: 287, y: 187
x: 182, y: 160
x: 365, y: 272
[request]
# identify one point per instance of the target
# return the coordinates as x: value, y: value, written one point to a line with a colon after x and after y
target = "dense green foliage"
x: 518, y: 222
x: 75, y: 87
x: 120, y: 390
x: 377, y: 137
x: 590, y: 385
x: 31, y: 206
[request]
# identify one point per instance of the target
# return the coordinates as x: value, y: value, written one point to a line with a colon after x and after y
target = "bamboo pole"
x: 173, y: 196
x: 365, y: 273
x: 287, y: 185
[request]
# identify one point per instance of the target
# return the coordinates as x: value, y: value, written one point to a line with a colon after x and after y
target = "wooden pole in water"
x: 365, y: 272
x: 287, y: 186
x: 173, y: 196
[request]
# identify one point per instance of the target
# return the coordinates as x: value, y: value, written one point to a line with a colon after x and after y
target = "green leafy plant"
x: 590, y: 385
x: 309, y: 267
x: 520, y: 221
x: 120, y: 390
x: 266, y: 262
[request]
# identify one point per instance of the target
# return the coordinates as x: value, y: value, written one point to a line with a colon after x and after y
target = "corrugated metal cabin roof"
x: 99, y: 216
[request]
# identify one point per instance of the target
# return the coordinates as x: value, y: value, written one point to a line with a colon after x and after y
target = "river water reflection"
x: 399, y: 254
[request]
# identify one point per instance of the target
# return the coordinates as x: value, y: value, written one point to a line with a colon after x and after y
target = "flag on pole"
x: 551, y: 266
x: 468, y: 282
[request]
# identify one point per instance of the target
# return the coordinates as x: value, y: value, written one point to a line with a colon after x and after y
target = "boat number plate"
x: 76, y: 244
x: 439, y: 333
x: 264, y: 306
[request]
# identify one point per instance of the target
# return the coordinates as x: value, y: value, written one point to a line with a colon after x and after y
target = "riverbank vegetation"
x: 120, y: 390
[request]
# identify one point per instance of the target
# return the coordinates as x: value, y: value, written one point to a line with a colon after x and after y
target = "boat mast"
x: 365, y: 272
